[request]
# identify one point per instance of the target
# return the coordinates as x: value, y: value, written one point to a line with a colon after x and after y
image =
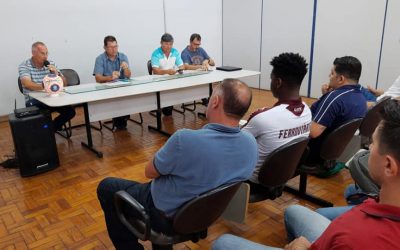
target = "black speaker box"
x: 35, y: 144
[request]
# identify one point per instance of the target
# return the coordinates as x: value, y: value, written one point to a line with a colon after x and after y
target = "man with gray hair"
x: 31, y: 74
x: 180, y: 170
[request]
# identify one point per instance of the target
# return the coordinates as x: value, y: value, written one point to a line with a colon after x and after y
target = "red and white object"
x: 53, y: 84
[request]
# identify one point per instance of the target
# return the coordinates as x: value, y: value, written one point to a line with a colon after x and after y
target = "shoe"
x: 336, y: 169
x: 204, y: 101
x: 321, y: 171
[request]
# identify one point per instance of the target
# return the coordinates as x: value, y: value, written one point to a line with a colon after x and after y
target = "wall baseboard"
x: 3, y: 118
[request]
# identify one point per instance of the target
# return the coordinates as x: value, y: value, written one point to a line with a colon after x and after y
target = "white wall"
x: 242, y: 36
x: 74, y: 31
x: 342, y: 28
x: 182, y: 21
x: 286, y: 27
x: 390, y: 60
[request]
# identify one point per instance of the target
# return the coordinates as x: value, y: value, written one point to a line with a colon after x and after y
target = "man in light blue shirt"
x: 166, y: 60
x: 111, y: 66
x: 191, y: 162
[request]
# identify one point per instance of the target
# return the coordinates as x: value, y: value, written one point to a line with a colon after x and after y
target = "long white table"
x: 119, y: 101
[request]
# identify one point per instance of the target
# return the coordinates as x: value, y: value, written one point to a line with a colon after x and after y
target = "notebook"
x: 228, y: 68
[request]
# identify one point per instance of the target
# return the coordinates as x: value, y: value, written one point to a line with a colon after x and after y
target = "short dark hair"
x: 290, y: 67
x: 195, y: 36
x: 167, y: 38
x: 348, y: 66
x: 236, y: 97
x: 389, y: 128
x: 109, y: 39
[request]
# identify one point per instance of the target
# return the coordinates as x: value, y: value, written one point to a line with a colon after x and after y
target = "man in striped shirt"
x: 31, y: 74
x: 341, y: 102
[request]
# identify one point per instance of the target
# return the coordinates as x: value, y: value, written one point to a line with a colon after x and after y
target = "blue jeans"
x: 231, y: 242
x: 299, y: 221
x: 121, y: 237
x: 332, y: 212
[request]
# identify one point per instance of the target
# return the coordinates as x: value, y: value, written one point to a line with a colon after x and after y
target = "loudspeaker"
x: 35, y: 144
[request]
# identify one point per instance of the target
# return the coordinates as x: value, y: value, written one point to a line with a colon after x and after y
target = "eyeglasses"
x: 196, y: 44
x: 112, y: 47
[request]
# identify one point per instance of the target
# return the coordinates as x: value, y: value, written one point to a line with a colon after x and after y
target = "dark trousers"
x: 66, y: 113
x: 121, y: 237
x: 121, y: 121
x: 167, y: 111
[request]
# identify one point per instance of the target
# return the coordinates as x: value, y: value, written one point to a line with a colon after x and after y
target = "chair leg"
x: 108, y: 127
x: 185, y: 106
x: 135, y: 121
x: 153, y: 113
x: 302, y: 192
x: 66, y: 132
x: 180, y: 111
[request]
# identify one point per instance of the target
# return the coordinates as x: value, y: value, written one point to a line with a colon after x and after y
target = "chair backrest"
x: 198, y: 214
x: 71, y: 76
x: 372, y: 118
x: 336, y: 141
x: 20, y: 86
x: 281, y: 164
x: 149, y: 67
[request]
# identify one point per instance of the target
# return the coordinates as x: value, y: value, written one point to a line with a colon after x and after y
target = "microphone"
x: 46, y: 64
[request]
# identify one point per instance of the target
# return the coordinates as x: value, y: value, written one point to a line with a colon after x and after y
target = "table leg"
x: 159, y: 123
x: 89, y: 144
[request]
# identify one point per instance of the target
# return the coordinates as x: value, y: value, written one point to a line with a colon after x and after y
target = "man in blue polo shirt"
x: 196, y: 58
x: 190, y: 163
x: 112, y: 66
x: 341, y: 102
x: 166, y: 60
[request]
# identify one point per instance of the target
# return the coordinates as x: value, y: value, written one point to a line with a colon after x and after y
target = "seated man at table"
x: 374, y: 224
x: 112, y: 66
x: 190, y: 163
x: 166, y: 60
x: 195, y: 57
x: 31, y: 74
x: 289, y: 118
x: 341, y: 102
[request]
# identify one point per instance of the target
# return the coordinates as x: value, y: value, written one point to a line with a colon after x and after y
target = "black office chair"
x: 371, y: 121
x: 278, y: 168
x: 149, y: 67
x: 331, y: 148
x: 190, y: 222
x: 66, y: 130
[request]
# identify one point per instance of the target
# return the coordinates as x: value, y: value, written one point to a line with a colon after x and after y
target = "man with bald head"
x: 180, y: 170
x: 31, y: 74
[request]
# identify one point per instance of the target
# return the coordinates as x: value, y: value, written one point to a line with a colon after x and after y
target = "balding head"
x: 37, y: 45
x: 236, y: 97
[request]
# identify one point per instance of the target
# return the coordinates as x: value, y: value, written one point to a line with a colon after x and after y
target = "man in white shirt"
x: 289, y: 118
x: 166, y: 60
